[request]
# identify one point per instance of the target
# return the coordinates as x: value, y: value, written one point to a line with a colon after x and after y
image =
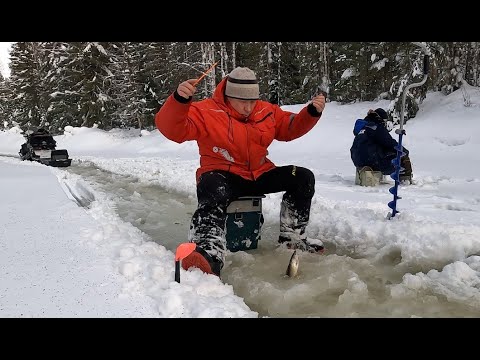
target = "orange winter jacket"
x: 225, y: 140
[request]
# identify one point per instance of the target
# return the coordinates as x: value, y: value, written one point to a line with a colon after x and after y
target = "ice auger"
x: 401, y: 132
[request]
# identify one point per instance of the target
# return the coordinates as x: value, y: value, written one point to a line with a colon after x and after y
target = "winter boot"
x: 366, y: 176
x: 203, y: 261
x: 406, y: 174
x: 292, y: 230
x: 295, y: 241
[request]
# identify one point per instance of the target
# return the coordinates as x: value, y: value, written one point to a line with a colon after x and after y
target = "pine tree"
x: 27, y: 84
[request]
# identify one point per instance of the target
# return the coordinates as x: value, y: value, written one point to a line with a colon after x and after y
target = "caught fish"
x: 292, y: 268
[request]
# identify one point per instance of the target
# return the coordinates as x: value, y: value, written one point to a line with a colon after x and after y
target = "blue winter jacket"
x: 373, y: 146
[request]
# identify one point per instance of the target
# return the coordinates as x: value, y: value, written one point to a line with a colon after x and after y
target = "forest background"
x: 123, y: 84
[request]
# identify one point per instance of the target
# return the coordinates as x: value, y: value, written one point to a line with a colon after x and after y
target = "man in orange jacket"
x: 233, y: 130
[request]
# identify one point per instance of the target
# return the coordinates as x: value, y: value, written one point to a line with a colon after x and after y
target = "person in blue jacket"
x: 373, y: 145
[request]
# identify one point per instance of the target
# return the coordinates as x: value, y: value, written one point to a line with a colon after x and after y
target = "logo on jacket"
x: 224, y: 153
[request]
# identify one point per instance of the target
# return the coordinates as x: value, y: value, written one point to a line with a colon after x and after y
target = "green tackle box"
x: 244, y: 223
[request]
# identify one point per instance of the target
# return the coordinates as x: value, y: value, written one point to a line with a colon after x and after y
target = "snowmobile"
x: 41, y: 147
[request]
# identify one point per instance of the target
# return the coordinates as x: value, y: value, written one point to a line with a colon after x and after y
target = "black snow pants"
x: 217, y: 189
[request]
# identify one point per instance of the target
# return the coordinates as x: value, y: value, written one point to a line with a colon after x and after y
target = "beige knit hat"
x: 242, y: 84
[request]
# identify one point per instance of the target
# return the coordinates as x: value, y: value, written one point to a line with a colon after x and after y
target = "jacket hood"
x: 219, y: 93
x: 359, y: 125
